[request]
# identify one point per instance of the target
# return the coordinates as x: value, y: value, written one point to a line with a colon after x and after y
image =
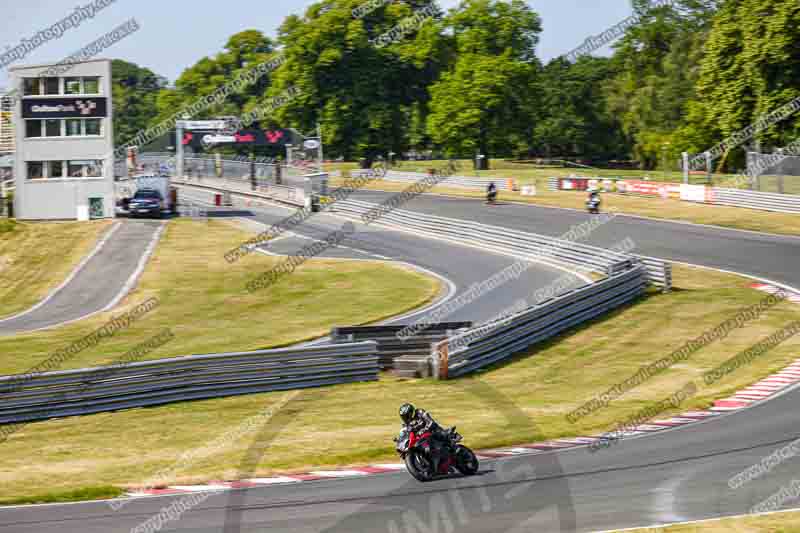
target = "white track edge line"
x: 702, y: 520
x: 75, y: 271
x: 134, y: 277
x: 88, y: 315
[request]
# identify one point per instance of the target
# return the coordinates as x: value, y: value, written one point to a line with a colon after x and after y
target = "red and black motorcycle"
x: 427, y: 459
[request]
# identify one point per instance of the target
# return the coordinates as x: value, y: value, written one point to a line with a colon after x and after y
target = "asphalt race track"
x: 773, y: 257
x: 678, y: 475
x: 461, y: 265
x: 95, y: 286
x: 673, y: 476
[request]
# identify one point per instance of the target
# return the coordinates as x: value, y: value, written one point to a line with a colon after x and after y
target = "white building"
x: 64, y: 164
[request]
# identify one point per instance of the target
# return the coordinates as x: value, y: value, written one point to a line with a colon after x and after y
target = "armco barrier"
x: 294, y: 196
x: 518, y: 244
x: 30, y: 397
x: 659, y: 272
x: 535, y: 324
x: 547, y: 250
x: 784, y: 203
x: 409, y: 356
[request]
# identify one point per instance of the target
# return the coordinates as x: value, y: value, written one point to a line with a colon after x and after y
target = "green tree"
x: 135, y: 91
x: 574, y: 119
x: 366, y: 97
x: 482, y: 102
x: 657, y: 67
x: 242, y: 52
x: 751, y: 67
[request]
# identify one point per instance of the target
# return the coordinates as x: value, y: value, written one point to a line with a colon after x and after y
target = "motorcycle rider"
x: 420, y: 421
x: 491, y: 192
x: 593, y: 203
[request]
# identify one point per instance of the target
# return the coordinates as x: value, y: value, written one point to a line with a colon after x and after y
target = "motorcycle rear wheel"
x: 419, y: 467
x: 466, y: 461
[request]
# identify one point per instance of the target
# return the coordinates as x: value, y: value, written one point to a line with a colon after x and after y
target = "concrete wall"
x: 59, y: 198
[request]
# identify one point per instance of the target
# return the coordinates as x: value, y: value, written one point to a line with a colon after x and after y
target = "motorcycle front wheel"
x: 419, y: 467
x: 466, y: 461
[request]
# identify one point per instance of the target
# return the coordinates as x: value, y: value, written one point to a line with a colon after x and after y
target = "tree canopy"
x: 401, y: 75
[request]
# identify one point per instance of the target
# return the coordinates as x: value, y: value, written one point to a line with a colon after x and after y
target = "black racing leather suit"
x: 423, y: 422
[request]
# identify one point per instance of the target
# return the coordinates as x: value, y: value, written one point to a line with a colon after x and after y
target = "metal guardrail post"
x: 443, y: 356
x: 252, y: 171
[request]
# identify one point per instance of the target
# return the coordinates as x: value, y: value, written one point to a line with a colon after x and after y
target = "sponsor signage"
x: 64, y: 108
x: 199, y: 139
x: 277, y: 137
x: 574, y: 184
x: 653, y: 188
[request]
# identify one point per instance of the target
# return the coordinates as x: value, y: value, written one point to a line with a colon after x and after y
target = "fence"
x: 659, y: 272
x: 26, y: 398
x: 295, y: 187
x: 777, y: 173
x: 294, y: 196
x: 409, y: 356
x: 208, y: 166
x: 535, y: 324
x: 548, y: 250
x: 628, y: 277
x: 452, y: 181
x: 785, y: 203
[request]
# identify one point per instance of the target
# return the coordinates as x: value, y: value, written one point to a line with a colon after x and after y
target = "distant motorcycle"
x: 593, y: 205
x: 491, y: 197
x: 420, y: 453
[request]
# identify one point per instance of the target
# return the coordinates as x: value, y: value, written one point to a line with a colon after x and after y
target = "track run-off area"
x: 673, y: 476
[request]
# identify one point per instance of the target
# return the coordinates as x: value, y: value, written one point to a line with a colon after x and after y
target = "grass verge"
x: 35, y: 257
x: 85, y: 494
x: 204, y: 302
x: 781, y: 522
x: 670, y: 209
x: 354, y: 424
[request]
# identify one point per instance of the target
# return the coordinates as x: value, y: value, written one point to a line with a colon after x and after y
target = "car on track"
x: 147, y: 202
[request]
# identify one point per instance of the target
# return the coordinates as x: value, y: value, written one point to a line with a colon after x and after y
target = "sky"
x: 174, y: 34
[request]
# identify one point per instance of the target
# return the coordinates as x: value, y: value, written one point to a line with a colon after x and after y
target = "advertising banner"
x: 249, y: 137
x: 604, y: 185
x: 573, y: 184
x: 695, y: 193
x: 651, y: 188
x: 64, y: 108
